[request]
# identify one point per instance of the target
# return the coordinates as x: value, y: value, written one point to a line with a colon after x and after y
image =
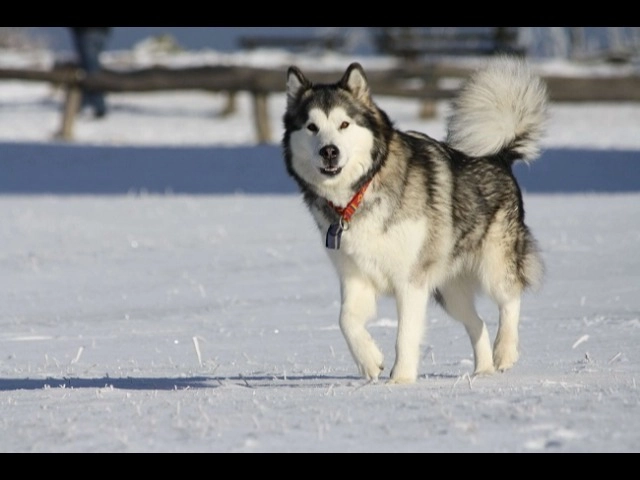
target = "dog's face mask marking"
x: 330, y: 143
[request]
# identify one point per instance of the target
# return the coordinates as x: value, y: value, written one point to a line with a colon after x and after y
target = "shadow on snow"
x: 167, y: 384
x: 80, y: 169
x: 199, y: 382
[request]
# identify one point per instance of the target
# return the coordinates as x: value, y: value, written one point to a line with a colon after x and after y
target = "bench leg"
x: 71, y: 107
x: 261, y: 117
x: 231, y: 106
x: 428, y: 109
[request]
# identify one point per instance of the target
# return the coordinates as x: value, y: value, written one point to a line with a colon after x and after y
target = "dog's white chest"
x: 386, y: 255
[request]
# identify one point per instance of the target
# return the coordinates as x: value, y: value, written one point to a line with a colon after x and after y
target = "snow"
x: 164, y: 290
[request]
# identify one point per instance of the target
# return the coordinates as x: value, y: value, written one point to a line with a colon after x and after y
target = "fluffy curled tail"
x: 501, y: 109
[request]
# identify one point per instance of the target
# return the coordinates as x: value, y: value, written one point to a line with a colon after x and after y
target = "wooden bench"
x: 415, y: 43
x: 416, y: 81
x: 259, y: 82
x: 296, y: 43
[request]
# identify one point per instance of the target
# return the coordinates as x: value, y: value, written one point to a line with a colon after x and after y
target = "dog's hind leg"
x: 359, y: 306
x: 508, y: 294
x: 505, y: 348
x: 412, y: 309
x: 458, y: 300
x: 510, y: 263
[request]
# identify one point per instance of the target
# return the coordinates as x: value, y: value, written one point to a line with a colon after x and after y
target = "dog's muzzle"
x: 330, y: 155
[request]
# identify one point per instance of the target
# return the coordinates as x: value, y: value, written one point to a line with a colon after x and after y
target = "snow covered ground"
x: 182, y: 302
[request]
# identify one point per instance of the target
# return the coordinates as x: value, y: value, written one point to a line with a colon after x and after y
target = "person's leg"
x: 90, y: 44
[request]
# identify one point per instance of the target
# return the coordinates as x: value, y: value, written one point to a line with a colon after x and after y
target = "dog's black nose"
x: 329, y: 153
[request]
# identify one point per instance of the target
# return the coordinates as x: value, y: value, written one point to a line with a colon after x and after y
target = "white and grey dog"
x: 403, y: 214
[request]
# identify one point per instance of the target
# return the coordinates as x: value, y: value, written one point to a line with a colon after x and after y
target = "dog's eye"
x: 312, y: 127
x: 344, y: 125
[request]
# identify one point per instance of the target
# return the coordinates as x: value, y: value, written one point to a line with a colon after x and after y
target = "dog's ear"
x: 355, y: 80
x: 296, y: 83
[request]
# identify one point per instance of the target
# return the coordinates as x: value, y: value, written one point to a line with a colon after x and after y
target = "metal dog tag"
x: 333, y: 236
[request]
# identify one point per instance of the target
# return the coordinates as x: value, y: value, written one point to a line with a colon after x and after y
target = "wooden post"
x: 230, y: 106
x: 71, y: 107
x: 428, y: 109
x: 261, y: 117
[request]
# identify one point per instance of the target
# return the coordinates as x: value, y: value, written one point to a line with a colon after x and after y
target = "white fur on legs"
x: 359, y: 306
x: 458, y: 301
x: 412, y: 310
x: 505, y: 348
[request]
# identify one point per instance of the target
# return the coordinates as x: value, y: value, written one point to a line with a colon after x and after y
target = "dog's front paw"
x: 484, y: 372
x: 371, y: 373
x: 372, y: 366
x: 401, y: 380
x: 484, y: 369
x: 400, y: 376
x: 368, y: 357
x: 504, y: 357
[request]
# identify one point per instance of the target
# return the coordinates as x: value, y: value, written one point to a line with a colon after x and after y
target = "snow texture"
x: 163, y: 289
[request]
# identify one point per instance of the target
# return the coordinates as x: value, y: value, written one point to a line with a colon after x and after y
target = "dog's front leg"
x: 359, y: 306
x: 412, y: 310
